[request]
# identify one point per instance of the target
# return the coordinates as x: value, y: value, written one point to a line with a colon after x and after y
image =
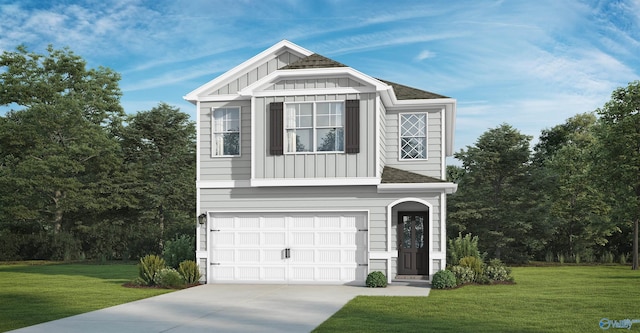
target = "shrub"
x: 443, y: 279
x: 178, y: 250
x: 461, y: 247
x: 169, y: 278
x: 148, y: 267
x: 189, y: 271
x: 472, y: 262
x: 497, y: 271
x: 376, y: 279
x: 463, y: 274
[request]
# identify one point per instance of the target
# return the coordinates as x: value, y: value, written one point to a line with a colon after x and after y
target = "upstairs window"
x: 413, y: 136
x: 314, y: 127
x: 226, y: 132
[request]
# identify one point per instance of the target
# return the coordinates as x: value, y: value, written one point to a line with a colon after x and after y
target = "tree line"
x: 574, y: 194
x: 79, y: 178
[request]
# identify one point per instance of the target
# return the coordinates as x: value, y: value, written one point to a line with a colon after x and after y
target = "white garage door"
x: 289, y: 248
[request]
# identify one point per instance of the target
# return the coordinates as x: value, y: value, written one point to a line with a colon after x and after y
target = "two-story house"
x: 310, y: 171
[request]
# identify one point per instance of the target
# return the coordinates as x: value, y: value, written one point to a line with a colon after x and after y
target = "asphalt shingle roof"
x: 396, y: 176
x: 402, y: 92
x: 313, y: 61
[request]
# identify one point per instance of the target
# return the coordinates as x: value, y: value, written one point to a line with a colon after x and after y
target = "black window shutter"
x: 352, y: 126
x: 276, y: 134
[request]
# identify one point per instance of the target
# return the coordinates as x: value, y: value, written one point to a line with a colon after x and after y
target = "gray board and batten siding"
x: 316, y: 164
x: 242, y: 80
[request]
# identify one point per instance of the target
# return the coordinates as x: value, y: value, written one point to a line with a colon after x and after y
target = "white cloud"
x: 425, y: 54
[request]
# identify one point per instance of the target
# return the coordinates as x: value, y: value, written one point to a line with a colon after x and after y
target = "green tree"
x: 492, y: 200
x: 578, y: 211
x: 56, y: 147
x: 159, y: 147
x: 619, y: 155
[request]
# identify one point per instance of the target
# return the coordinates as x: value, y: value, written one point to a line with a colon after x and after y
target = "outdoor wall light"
x: 202, y: 219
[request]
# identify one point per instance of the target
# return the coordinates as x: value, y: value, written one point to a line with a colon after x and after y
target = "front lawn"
x: 544, y: 299
x: 32, y: 294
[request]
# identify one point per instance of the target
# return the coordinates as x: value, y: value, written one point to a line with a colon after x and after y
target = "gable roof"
x: 396, y: 176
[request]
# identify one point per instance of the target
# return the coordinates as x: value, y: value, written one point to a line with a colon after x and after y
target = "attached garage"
x: 292, y: 247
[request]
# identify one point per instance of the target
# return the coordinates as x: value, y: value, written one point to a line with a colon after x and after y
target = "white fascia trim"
x: 448, y: 188
x: 320, y: 91
x: 420, y: 104
x: 385, y: 255
x: 280, y: 182
x: 220, y: 80
x: 222, y: 183
x: 223, y: 98
x: 309, y: 73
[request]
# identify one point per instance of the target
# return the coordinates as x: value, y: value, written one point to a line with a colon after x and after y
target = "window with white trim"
x: 226, y: 132
x: 413, y: 136
x: 314, y: 127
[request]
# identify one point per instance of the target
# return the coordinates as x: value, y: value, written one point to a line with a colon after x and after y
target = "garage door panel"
x: 273, y: 223
x: 275, y: 273
x: 223, y: 255
x: 302, y: 222
x: 274, y: 239
x: 329, y: 238
x: 271, y: 256
x: 247, y: 222
x: 306, y: 238
x: 248, y: 256
x: 329, y: 256
x: 223, y: 238
x: 322, y: 247
x: 248, y: 238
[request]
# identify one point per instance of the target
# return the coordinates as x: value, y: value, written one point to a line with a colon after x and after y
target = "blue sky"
x: 531, y: 64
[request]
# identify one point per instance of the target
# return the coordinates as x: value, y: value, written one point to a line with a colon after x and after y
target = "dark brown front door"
x: 413, y: 256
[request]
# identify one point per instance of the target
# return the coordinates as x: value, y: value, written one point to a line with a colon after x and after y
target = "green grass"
x: 544, y: 299
x: 32, y: 294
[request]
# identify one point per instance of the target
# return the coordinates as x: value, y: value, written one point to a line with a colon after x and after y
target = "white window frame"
x: 314, y: 128
x: 426, y: 136
x: 214, y: 132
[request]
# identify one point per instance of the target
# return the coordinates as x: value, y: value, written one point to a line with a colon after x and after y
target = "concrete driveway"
x: 226, y: 308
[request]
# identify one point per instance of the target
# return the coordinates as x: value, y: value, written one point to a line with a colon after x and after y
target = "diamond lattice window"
x: 413, y: 136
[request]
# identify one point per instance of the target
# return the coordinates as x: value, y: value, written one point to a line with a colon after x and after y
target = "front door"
x: 413, y: 251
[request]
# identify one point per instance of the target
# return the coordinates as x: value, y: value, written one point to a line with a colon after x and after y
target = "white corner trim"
x: 448, y: 188
x: 443, y: 140
x: 346, y: 181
